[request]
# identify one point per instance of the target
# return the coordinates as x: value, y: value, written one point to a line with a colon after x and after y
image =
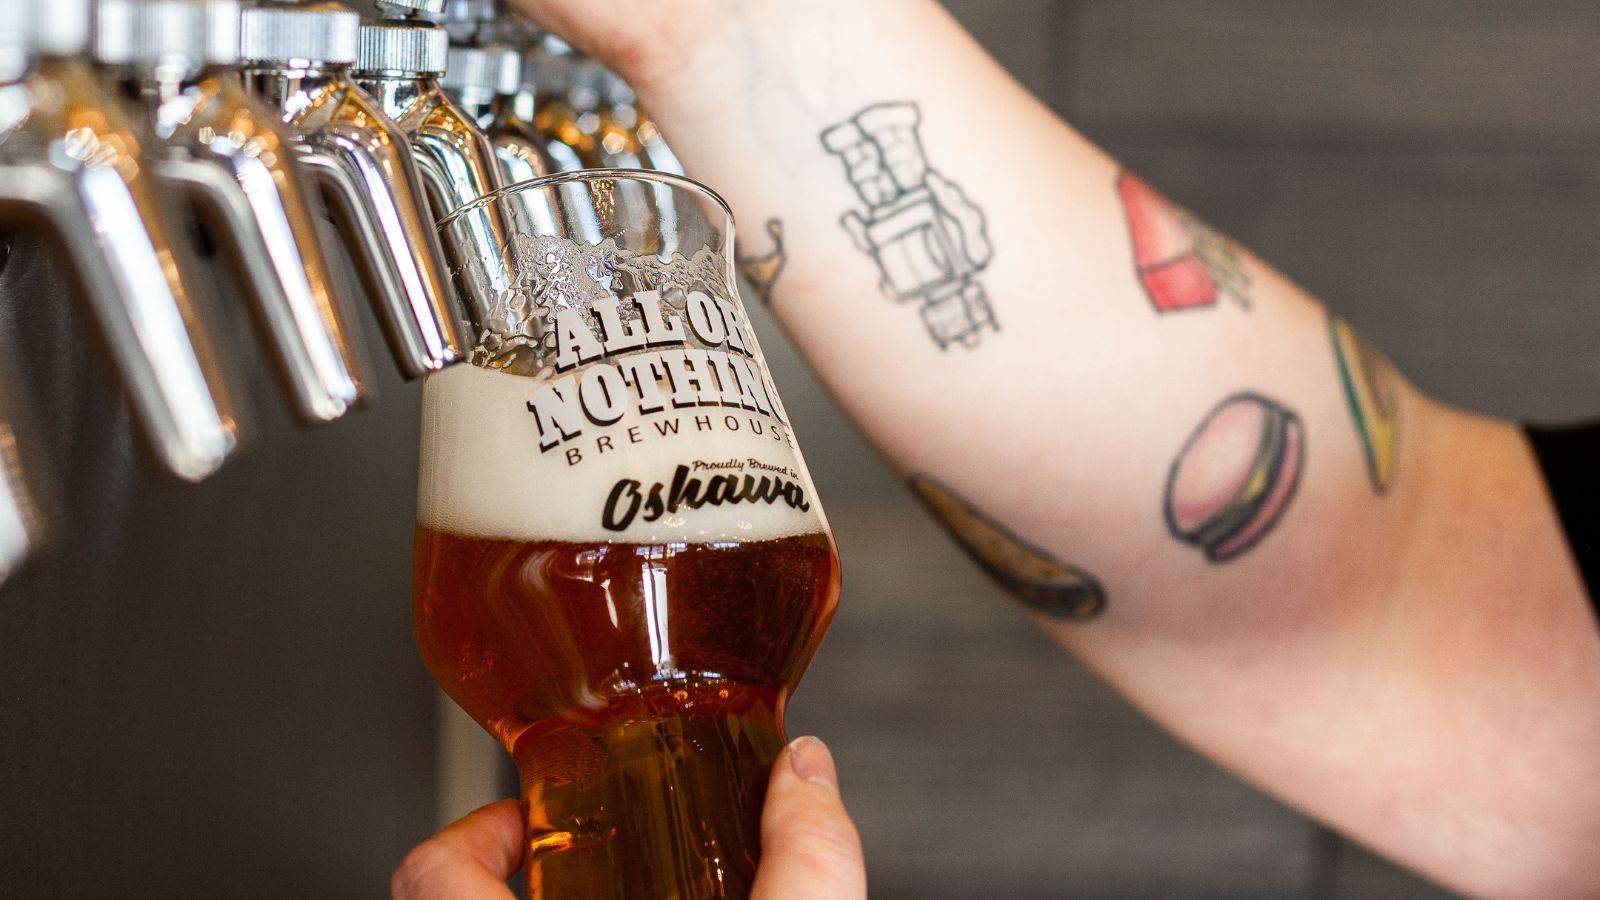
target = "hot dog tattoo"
x: 1037, y: 579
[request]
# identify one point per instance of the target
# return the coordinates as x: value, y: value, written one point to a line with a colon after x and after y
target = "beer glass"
x: 621, y: 565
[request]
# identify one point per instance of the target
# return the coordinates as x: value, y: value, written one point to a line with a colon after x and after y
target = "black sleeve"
x: 1570, y: 459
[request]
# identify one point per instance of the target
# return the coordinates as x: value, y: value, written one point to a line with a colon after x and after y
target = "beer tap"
x: 74, y: 158
x: 484, y: 82
x: 297, y: 59
x: 235, y: 161
x: 565, y: 96
x: 21, y: 525
x: 509, y: 118
x: 627, y: 135
x: 469, y: 22
x: 543, y: 78
x: 402, y: 56
x: 616, y: 145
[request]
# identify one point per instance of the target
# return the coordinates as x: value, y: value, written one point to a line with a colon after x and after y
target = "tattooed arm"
x: 1218, y: 497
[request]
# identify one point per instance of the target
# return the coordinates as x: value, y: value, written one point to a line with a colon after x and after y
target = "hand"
x: 809, y: 847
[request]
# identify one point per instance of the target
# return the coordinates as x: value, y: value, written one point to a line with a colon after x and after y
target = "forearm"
x: 1196, y: 480
x: 1067, y: 413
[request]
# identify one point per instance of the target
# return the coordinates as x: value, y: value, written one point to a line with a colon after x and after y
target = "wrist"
x: 691, y: 67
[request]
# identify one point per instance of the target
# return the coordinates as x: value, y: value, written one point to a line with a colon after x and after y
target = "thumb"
x: 470, y: 858
x: 809, y: 846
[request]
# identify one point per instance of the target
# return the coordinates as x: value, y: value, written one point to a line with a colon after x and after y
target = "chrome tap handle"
x: 483, y: 82
x: 72, y: 155
x: 235, y: 163
x: 264, y: 220
x: 373, y: 187
x: 456, y: 160
x: 298, y: 65
x: 458, y: 165
x: 398, y: 65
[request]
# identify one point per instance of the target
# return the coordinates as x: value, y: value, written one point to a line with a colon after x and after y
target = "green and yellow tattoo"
x: 1372, y: 387
x: 1051, y: 587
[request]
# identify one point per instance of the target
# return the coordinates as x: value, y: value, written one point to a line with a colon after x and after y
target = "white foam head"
x: 485, y: 474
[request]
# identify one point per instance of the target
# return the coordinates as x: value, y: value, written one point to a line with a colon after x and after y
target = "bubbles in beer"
x: 623, y: 674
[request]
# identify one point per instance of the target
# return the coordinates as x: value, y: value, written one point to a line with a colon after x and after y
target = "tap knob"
x: 470, y: 22
x: 182, y: 35
x: 282, y: 33
x: 71, y: 155
x: 408, y: 48
x: 236, y: 164
x: 297, y: 61
x: 475, y: 76
x: 467, y: 12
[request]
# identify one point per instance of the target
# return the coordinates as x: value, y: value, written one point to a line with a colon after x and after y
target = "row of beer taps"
x: 123, y: 121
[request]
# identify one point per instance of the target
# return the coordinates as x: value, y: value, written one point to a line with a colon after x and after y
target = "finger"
x: 809, y: 846
x: 469, y: 859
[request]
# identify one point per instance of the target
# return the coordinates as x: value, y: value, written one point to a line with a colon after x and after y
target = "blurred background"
x: 212, y: 690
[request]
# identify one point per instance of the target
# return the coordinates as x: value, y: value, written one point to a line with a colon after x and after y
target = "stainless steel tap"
x: 233, y: 158
x: 297, y: 59
x: 514, y: 113
x: 72, y: 157
x: 564, y: 93
x: 484, y: 82
x: 399, y: 64
x: 21, y: 525
x: 627, y: 135
x: 544, y: 78
x: 470, y: 22
x: 616, y: 145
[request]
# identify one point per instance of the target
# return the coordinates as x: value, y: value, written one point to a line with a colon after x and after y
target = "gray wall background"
x: 212, y: 690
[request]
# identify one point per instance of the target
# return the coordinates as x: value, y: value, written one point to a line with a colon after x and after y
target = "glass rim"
x: 581, y: 175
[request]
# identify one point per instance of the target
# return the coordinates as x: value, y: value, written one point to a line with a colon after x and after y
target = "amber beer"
x: 621, y: 568
x: 622, y: 674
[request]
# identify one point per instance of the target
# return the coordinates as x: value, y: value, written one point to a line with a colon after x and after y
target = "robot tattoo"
x: 929, y: 240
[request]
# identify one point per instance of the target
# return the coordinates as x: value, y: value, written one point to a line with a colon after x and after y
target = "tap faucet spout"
x: 297, y: 63
x: 399, y: 64
x: 233, y: 159
x: 71, y: 155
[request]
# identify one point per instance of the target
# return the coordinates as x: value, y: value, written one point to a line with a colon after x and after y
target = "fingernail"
x: 811, y: 760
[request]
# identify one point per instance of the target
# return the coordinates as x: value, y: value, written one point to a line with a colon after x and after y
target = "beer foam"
x: 484, y: 473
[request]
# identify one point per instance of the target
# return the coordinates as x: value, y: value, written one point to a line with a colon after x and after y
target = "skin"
x: 1419, y: 668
